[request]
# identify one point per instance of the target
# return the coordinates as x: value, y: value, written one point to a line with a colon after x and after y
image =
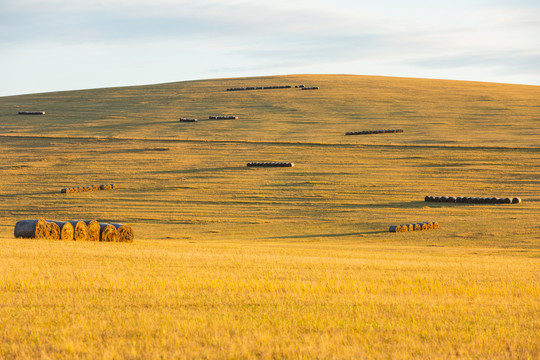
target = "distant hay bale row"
x: 270, y: 164
x: 473, y: 200
x: 31, y: 112
x: 88, y: 188
x: 310, y: 88
x: 78, y: 230
x: 368, y: 132
x: 414, y: 227
x: 260, y: 87
x: 188, y: 120
x: 222, y: 117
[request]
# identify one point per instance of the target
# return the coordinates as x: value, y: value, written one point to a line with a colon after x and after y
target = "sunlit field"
x: 237, y: 262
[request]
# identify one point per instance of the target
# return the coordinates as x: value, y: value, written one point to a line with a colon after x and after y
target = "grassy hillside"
x: 281, y: 262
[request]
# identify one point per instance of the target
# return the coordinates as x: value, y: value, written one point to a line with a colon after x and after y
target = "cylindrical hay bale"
x: 507, y: 200
x: 428, y: 224
x: 411, y: 227
x: 417, y: 227
x: 444, y: 199
x: 53, y: 231
x: 451, y: 199
x: 492, y: 200
x: 108, y: 233
x: 423, y: 226
x: 428, y: 198
x: 437, y: 198
x: 404, y: 228
x: 66, y: 230
x: 80, y: 230
x: 459, y: 199
x: 435, y: 225
x: 93, y: 230
x: 516, y: 200
x: 125, y: 232
x: 31, y: 229
x: 395, y: 228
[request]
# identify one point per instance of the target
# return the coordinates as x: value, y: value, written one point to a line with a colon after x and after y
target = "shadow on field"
x: 195, y: 171
x: 325, y: 235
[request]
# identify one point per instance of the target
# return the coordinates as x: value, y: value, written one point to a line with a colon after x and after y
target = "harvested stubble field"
x: 231, y: 261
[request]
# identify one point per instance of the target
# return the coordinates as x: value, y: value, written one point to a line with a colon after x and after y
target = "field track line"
x: 281, y: 143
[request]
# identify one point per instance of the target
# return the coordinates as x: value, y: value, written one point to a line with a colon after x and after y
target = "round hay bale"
x: 516, y: 200
x: 428, y: 224
x: 404, y: 228
x: 125, y: 232
x: 435, y: 225
x: 31, y: 229
x: 423, y: 226
x: 66, y: 230
x: 451, y: 199
x: 108, y: 233
x: 493, y: 200
x: 417, y: 227
x: 53, y: 231
x: 395, y: 228
x: 428, y: 198
x: 507, y: 200
x: 80, y: 230
x: 93, y: 230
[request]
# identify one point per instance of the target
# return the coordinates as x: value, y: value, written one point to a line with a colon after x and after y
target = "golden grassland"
x: 237, y: 262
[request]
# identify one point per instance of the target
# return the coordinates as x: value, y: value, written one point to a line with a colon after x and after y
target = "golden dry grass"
x: 236, y: 262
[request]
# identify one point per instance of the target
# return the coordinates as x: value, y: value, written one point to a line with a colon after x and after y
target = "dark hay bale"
x: 460, y: 199
x: 507, y: 200
x: 31, y: 229
x: 451, y: 199
x: 66, y: 230
x: 108, y: 233
x: 125, y: 232
x: 80, y: 230
x: 93, y: 230
x: 31, y: 112
x: 516, y: 200
x: 395, y: 228
x: 53, y: 231
x: 428, y: 198
x: 428, y: 224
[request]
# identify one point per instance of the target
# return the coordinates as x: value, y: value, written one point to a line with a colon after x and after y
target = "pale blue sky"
x: 50, y: 45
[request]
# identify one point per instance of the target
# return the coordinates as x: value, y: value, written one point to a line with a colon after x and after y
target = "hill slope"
x: 189, y: 180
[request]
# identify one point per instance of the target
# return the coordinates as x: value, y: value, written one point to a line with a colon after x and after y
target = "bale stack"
x: 270, y: 164
x: 259, y: 87
x: 87, y: 188
x: 369, y: 132
x: 31, y: 229
x: 222, y: 117
x: 77, y: 230
x: 31, y: 112
x: 473, y: 200
x: 414, y: 227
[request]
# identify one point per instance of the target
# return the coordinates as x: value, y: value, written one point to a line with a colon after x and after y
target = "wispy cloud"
x: 168, y: 40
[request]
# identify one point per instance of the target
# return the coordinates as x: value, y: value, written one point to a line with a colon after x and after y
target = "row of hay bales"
x: 31, y: 112
x: 473, y: 200
x: 310, y: 88
x: 260, y: 87
x: 88, y: 188
x: 269, y: 164
x: 222, y: 117
x: 428, y: 225
x: 188, y: 120
x: 77, y: 230
x: 368, y: 132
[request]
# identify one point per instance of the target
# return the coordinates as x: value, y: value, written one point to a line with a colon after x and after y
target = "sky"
x: 54, y: 45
